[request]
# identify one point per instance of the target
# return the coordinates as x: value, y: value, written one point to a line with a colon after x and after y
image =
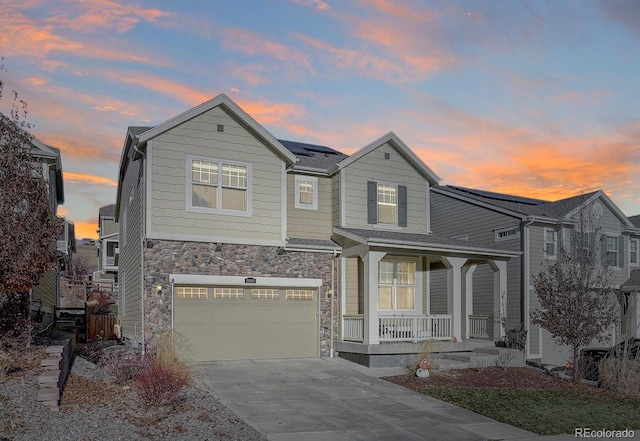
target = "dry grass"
x: 426, y: 354
x: 621, y: 375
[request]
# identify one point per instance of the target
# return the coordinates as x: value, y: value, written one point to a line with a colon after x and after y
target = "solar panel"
x: 499, y: 196
x: 301, y: 148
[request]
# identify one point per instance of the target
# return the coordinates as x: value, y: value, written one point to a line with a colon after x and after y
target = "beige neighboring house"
x: 107, y: 246
x: 253, y: 247
x: 46, y: 295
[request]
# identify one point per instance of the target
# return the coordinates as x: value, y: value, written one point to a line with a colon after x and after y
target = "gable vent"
x: 387, y: 156
x: 220, y: 128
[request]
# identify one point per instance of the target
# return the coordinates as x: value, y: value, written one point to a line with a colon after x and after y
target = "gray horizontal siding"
x: 310, y: 224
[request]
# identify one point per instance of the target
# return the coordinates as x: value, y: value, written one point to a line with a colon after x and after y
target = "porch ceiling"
x: 429, y: 243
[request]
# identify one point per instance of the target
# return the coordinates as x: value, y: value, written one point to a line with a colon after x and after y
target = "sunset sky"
x: 536, y: 98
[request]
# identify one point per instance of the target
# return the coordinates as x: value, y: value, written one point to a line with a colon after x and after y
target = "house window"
x: 265, y: 294
x: 306, y: 192
x: 611, y: 251
x: 218, y: 185
x: 110, y: 253
x: 507, y: 233
x: 228, y: 293
x: 396, y: 285
x: 186, y: 292
x: 299, y: 294
x: 550, y: 241
x: 633, y: 252
x: 387, y: 204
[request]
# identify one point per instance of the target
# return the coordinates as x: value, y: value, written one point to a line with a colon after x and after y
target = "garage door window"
x: 184, y: 292
x: 265, y: 294
x: 299, y: 294
x: 228, y: 293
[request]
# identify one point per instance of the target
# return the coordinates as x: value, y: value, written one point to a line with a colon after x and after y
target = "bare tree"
x: 28, y: 227
x: 577, y: 298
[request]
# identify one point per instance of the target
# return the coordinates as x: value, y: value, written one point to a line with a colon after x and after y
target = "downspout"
x: 143, y: 236
x: 172, y: 307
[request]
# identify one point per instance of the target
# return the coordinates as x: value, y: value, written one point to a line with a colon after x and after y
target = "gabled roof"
x: 107, y: 211
x: 138, y: 136
x: 224, y: 101
x: 522, y: 206
x: 633, y: 283
x: 635, y: 220
x: 393, y: 140
x: 422, y: 242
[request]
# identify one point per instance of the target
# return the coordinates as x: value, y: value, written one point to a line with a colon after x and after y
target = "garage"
x: 234, y: 318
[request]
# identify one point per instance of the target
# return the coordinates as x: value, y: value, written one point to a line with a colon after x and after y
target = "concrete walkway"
x: 333, y: 399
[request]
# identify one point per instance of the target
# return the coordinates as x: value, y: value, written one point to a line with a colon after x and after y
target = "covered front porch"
x: 401, y: 289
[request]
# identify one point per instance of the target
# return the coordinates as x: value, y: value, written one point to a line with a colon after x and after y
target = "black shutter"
x: 402, y: 206
x: 621, y: 251
x: 372, y: 202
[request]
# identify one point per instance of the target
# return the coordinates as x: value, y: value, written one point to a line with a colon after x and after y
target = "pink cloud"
x: 88, y: 179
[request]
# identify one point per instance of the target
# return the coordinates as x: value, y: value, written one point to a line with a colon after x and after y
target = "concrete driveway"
x: 333, y: 399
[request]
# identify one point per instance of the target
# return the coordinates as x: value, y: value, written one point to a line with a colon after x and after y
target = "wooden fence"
x: 101, y: 326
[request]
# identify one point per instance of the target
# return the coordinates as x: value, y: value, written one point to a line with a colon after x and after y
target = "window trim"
x: 223, y: 211
x: 636, y: 252
x: 395, y: 285
x: 515, y: 235
x: 615, y: 238
x: 401, y: 214
x: 314, y: 204
x: 548, y: 256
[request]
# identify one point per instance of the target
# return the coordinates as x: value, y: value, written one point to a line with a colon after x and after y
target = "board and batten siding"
x: 130, y: 260
x: 374, y: 167
x: 199, y: 137
x: 310, y: 224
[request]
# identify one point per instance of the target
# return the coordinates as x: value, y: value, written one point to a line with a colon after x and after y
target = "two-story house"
x: 254, y: 247
x: 630, y: 290
x: 538, y: 229
x: 108, y: 231
x: 46, y: 295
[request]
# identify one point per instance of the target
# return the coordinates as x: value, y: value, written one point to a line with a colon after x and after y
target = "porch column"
x: 467, y: 273
x: 499, y: 296
x: 371, y: 326
x: 454, y: 294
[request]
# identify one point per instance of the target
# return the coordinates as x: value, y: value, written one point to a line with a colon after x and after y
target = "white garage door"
x: 237, y: 322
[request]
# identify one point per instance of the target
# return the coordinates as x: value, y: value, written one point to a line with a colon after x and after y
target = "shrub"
x: 164, y: 375
x: 621, y: 375
x: 99, y: 302
x: 425, y: 355
x: 124, y: 366
x: 159, y: 384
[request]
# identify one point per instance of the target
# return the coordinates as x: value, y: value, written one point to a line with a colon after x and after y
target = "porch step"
x: 445, y: 364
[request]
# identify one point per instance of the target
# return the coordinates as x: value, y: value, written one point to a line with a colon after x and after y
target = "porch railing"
x: 353, y: 327
x: 415, y: 328
x: 480, y: 326
x: 400, y: 328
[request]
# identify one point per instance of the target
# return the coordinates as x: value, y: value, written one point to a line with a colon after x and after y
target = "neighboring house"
x: 535, y: 228
x: 46, y: 295
x: 254, y: 247
x: 108, y: 251
x: 630, y: 290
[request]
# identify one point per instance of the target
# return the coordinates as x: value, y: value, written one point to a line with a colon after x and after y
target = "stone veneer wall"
x: 174, y: 257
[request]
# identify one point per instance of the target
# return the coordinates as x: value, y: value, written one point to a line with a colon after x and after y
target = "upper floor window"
x: 386, y: 204
x: 633, y: 252
x: 612, y: 251
x: 218, y: 185
x: 550, y: 243
x: 507, y: 233
x: 306, y: 192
